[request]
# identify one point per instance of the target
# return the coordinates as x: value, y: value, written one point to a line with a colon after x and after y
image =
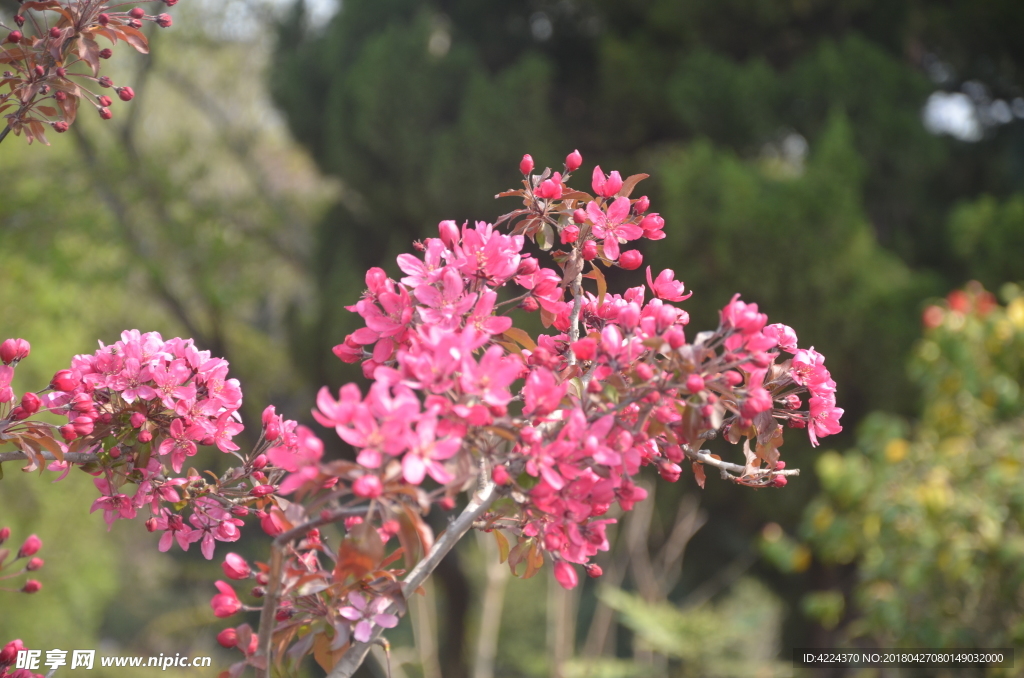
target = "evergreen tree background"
x: 786, y: 147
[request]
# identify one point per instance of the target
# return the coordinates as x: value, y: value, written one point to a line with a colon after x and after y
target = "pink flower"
x: 366, y: 614
x: 225, y: 603
x: 490, y: 380
x: 824, y: 418
x: 235, y: 567
x: 30, y: 547
x: 784, y: 335
x: 808, y: 368
x: 427, y: 452
x: 446, y: 306
x: 758, y: 400
x: 542, y: 393
x: 181, y: 443
x: 367, y: 487
x: 742, y: 316
x: 605, y: 187
x: 131, y: 382
x: 565, y: 575
x: 666, y: 286
x: 483, y: 319
x: 612, y: 225
x: 227, y: 427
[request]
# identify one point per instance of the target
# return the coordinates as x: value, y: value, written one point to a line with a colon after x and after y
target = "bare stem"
x: 3, y: 135
x: 727, y: 469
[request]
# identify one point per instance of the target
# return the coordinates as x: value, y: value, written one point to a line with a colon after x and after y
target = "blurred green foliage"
x: 933, y: 512
x: 735, y: 637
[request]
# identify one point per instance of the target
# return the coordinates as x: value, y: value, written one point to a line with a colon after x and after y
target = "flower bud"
x: 14, y: 37
x: 135, y: 23
x: 529, y: 304
x: 642, y: 204
x: 104, y: 100
x: 589, y: 250
x: 258, y: 592
x: 145, y: 436
x: 549, y: 189
x: 573, y: 161
x: 54, y: 32
x: 30, y: 402
x: 499, y: 474
x: 207, y: 441
x: 83, y: 425
x: 352, y: 521
x: 105, y: 113
x: 670, y: 471
x: 31, y: 586
x: 584, y: 349
x: 30, y: 547
x: 236, y: 567
x: 569, y: 234
x: 565, y: 575
x: 284, y: 614
x: 631, y: 260
x: 9, y: 653
x: 19, y: 19
x: 240, y: 511
x: 526, y: 164
x: 5, y: 534
x: 136, y: 12
x: 779, y: 481
x: 644, y: 371
x: 695, y: 383
x: 67, y: 432
x: 228, y: 638
x: 60, y: 126
x: 733, y: 378
x: 779, y: 465
x: 367, y: 487
x: 652, y: 222
x: 446, y: 503
x: 271, y: 524
x: 106, y: 53
x: 65, y: 380
x: 13, y: 350
x: 103, y: 19
x: 19, y: 413
x: 579, y: 216
x: 137, y: 419
x: 151, y: 525
x: 593, y: 570
x: 262, y: 490
x: 104, y: 81
x: 34, y: 564
x: 61, y: 71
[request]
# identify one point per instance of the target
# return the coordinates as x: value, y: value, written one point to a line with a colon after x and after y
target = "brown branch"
x: 727, y: 469
x: 73, y: 457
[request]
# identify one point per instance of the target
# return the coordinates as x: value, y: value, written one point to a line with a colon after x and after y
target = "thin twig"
x: 704, y: 457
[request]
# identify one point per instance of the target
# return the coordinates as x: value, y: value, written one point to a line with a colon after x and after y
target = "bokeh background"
x: 849, y: 165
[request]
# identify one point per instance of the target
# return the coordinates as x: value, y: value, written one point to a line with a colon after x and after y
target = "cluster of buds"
x: 53, y: 66
x: 27, y: 553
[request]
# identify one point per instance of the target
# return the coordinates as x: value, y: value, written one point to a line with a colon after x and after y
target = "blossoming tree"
x: 544, y: 434
x: 537, y: 440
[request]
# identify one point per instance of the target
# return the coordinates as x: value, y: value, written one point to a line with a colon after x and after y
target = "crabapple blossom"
x: 558, y: 424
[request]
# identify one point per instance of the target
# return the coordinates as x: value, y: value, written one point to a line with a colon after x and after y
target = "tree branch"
x: 73, y: 457
x: 727, y: 469
x: 484, y: 497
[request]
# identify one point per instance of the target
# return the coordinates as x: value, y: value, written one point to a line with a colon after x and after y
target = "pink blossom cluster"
x: 8, y: 658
